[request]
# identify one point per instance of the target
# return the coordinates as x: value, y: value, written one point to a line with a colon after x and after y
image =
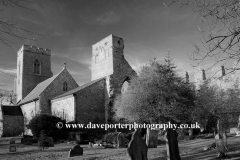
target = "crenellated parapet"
x: 34, y: 49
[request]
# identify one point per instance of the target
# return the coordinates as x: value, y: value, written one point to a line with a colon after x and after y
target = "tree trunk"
x: 172, y: 145
x: 220, y: 140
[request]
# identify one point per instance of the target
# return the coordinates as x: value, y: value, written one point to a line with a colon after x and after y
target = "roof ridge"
x: 78, y: 88
x: 48, y: 81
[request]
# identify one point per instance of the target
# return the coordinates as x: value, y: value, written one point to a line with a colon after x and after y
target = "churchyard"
x: 189, y: 150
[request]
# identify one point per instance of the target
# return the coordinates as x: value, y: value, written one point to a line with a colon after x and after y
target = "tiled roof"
x: 11, y: 110
x: 78, y: 88
x: 34, y: 94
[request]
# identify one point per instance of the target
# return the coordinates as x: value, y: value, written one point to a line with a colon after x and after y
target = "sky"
x: 69, y: 28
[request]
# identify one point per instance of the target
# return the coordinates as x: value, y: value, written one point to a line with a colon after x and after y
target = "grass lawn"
x: 190, y: 150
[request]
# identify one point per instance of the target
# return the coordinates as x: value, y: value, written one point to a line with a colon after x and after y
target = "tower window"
x: 65, y: 86
x: 37, y: 67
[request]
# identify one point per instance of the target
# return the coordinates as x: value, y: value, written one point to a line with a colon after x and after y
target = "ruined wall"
x: 102, y: 58
x: 55, y: 89
x: 108, y: 61
x: 90, y: 103
x: 64, y: 108
x: 26, y: 79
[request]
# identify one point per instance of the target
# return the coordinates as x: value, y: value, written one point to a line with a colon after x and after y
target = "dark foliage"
x: 48, y: 123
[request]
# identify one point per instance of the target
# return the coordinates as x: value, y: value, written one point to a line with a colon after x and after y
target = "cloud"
x: 138, y: 54
x: 81, y: 55
x: 107, y: 18
x: 12, y: 71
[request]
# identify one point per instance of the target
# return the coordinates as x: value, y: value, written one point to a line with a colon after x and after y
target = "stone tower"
x: 108, y: 61
x: 33, y: 67
x: 106, y: 55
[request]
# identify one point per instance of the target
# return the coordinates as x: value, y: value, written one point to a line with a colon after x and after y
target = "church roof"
x: 35, y: 93
x: 78, y: 88
x: 11, y: 110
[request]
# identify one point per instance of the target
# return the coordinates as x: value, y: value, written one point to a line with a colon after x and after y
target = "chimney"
x: 223, y: 71
x: 203, y: 75
x: 187, y: 77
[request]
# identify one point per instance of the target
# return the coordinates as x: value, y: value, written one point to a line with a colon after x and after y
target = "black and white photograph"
x: 119, y: 79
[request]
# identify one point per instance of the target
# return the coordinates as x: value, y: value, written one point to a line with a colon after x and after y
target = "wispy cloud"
x: 12, y: 71
x: 31, y: 20
x: 138, y: 54
x: 104, y: 19
x: 81, y: 55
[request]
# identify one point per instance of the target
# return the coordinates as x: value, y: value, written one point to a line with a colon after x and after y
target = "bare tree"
x: 7, y: 96
x: 222, y: 34
x: 9, y: 28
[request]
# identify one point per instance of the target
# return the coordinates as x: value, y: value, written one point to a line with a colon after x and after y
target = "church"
x: 40, y: 92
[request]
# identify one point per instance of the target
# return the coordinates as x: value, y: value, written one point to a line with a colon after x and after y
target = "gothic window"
x: 37, y: 67
x: 65, y: 86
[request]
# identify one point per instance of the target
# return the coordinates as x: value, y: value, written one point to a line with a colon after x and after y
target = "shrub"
x: 48, y: 123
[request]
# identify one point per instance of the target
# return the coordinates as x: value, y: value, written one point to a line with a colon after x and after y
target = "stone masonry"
x: 26, y: 79
x: 55, y: 89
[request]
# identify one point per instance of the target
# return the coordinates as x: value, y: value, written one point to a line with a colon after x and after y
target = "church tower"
x: 106, y: 56
x: 33, y: 67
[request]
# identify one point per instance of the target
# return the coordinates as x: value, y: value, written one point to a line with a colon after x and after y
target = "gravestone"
x: 12, y: 140
x: 172, y: 145
x: 137, y: 148
x: 76, y: 151
x: 12, y: 149
x: 121, y: 140
x: 152, y: 138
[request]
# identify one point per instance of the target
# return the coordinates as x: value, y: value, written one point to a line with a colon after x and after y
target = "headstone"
x: 172, y: 145
x: 137, y: 148
x: 152, y: 138
x: 12, y: 149
x: 50, y: 142
x: 121, y: 140
x: 12, y: 140
x: 76, y: 151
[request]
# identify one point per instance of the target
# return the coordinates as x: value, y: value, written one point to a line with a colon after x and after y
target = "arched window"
x: 37, y: 67
x: 124, y: 87
x: 65, y: 86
